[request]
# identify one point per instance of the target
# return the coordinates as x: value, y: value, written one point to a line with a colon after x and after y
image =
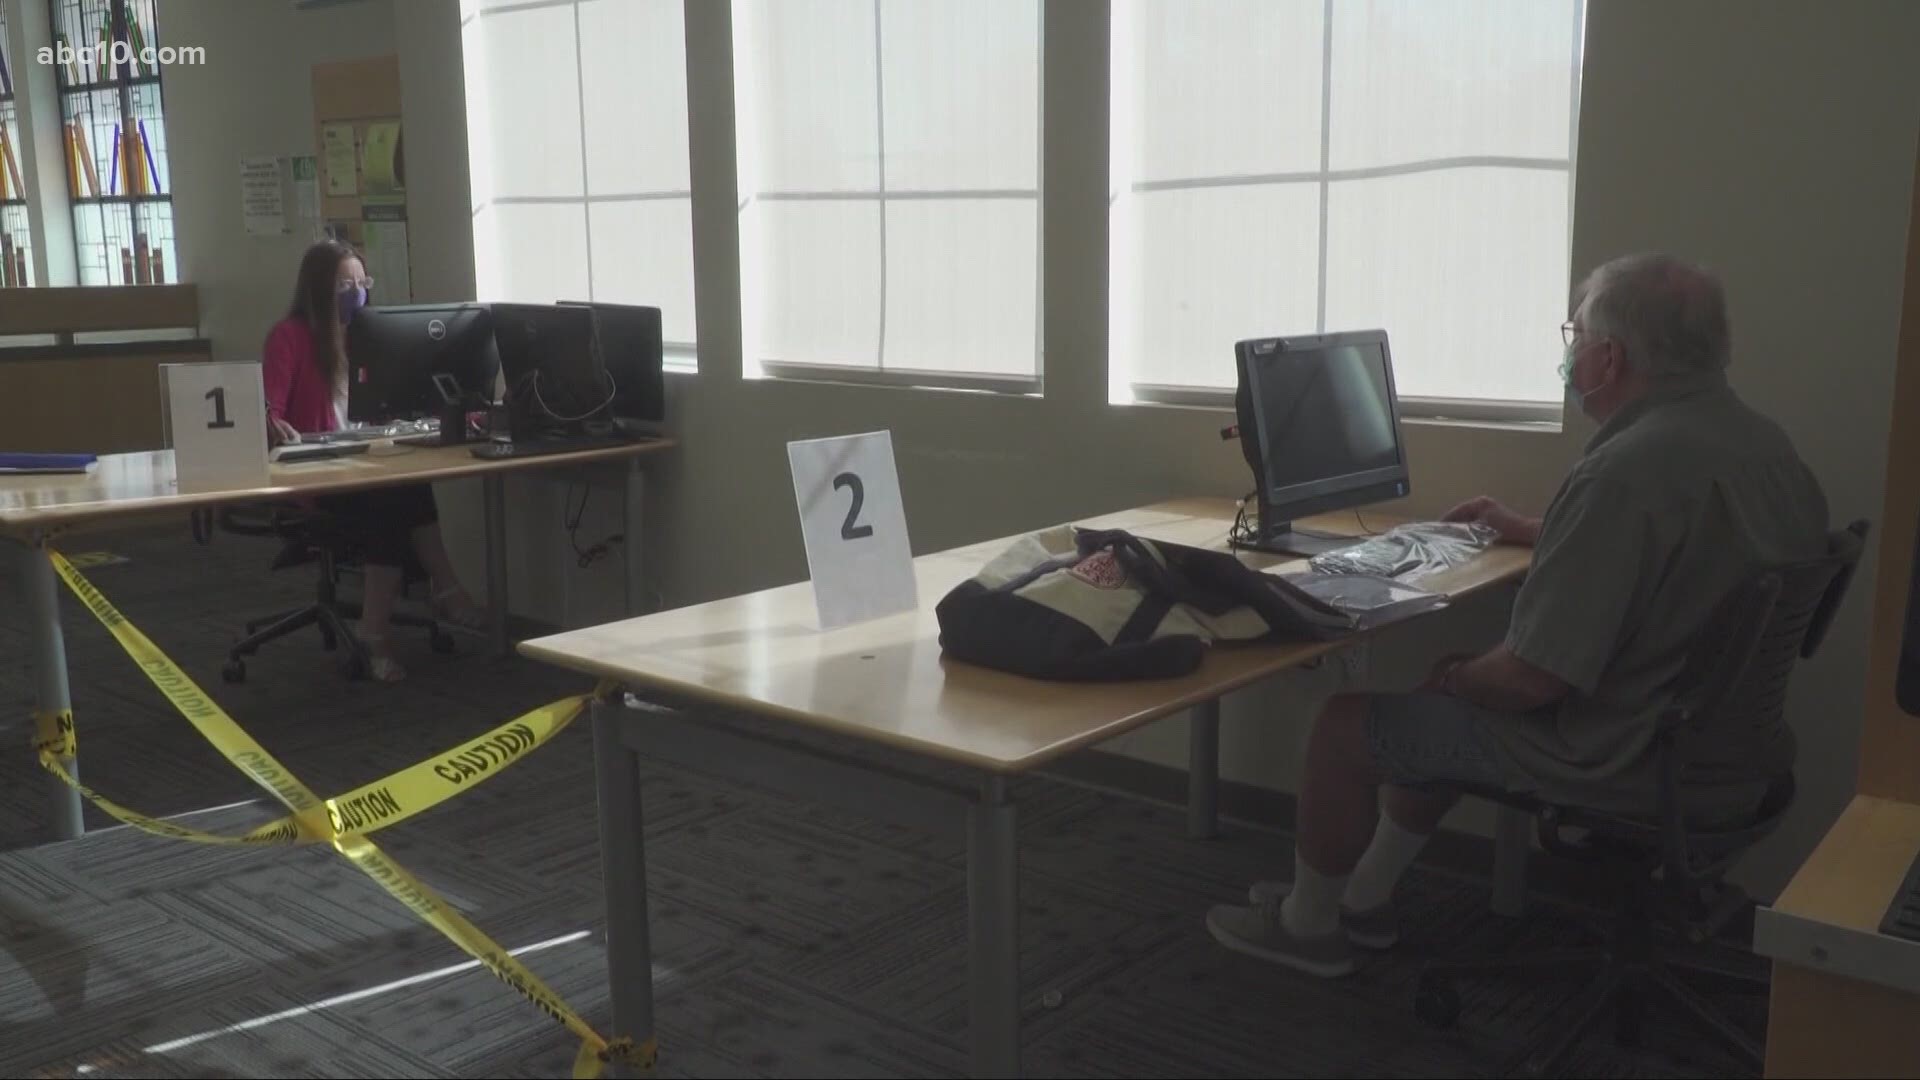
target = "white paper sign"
x: 216, y: 422
x: 262, y: 205
x: 855, y: 527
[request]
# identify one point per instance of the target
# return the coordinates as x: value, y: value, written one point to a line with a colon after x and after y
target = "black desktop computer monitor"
x: 555, y: 381
x: 395, y: 353
x: 631, y: 351
x: 1323, y: 431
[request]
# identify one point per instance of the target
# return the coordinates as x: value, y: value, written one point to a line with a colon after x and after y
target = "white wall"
x: 254, y: 96
x: 1774, y: 141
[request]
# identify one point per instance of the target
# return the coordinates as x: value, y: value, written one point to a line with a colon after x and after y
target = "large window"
x: 577, y: 145
x: 115, y: 130
x: 889, y: 183
x: 16, y: 236
x: 1305, y: 166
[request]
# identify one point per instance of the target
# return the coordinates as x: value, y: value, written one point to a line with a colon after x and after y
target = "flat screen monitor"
x: 393, y: 354
x: 1325, y: 431
x: 554, y: 377
x: 632, y: 353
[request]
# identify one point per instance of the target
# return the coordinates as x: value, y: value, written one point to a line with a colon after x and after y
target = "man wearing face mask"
x: 1682, y: 493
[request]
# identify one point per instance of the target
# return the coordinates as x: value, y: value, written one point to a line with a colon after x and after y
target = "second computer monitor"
x: 632, y: 353
x: 554, y: 376
x: 1325, y: 431
x: 393, y: 354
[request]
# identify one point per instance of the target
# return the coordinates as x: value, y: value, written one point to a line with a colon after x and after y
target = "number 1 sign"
x: 216, y: 422
x: 855, y: 527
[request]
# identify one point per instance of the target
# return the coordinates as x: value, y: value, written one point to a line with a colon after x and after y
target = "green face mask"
x: 1565, y: 371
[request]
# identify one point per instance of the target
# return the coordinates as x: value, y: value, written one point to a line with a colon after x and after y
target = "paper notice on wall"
x: 261, y: 203
x: 382, y: 163
x: 385, y: 244
x: 337, y: 159
x: 306, y: 188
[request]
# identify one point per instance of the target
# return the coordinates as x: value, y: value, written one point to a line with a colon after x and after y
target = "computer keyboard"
x: 315, y: 452
x: 1903, y: 915
x: 557, y: 444
x: 432, y: 438
x: 400, y: 431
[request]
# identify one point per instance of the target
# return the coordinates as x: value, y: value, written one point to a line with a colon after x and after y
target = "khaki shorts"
x: 1428, y: 738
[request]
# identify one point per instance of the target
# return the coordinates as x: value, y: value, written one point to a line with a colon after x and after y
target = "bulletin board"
x: 360, y: 148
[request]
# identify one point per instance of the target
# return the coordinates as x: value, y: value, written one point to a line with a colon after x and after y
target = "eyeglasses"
x: 365, y: 283
x: 1570, y: 332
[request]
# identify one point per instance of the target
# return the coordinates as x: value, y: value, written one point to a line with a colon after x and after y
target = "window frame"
x: 878, y: 373
x: 1421, y: 407
x: 677, y: 356
x: 153, y: 209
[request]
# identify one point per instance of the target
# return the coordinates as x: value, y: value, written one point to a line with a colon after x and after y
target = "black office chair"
x: 1668, y: 872
x: 311, y: 536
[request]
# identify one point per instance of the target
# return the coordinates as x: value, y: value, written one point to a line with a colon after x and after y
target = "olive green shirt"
x: 1681, y: 496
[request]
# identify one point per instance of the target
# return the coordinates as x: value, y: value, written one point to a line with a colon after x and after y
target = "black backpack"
x: 1106, y: 605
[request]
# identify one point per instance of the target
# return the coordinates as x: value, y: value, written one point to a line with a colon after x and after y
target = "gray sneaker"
x: 1257, y: 931
x: 1375, y: 929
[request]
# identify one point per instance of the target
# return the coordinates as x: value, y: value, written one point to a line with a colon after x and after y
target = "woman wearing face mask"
x: 305, y: 371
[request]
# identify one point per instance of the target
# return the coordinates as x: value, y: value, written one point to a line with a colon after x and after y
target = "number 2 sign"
x: 216, y: 422
x: 855, y: 527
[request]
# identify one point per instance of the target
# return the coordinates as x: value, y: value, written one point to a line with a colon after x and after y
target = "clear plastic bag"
x: 1410, y: 552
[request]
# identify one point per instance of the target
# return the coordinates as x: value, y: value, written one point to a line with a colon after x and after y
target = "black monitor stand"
x: 1284, y: 538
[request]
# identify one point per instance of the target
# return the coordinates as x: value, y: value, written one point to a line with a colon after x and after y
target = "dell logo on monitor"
x: 436, y: 330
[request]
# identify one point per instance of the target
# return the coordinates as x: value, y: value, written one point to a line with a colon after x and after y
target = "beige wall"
x: 1772, y: 140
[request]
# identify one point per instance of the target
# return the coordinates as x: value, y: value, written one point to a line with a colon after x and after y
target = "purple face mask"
x: 350, y: 300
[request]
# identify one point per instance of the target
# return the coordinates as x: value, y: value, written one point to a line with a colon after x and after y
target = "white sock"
x: 1392, y: 851
x: 1312, y: 908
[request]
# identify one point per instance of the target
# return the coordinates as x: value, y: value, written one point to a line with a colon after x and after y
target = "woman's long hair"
x: 315, y: 304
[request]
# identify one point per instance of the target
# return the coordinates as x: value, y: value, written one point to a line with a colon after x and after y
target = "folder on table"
x: 44, y: 463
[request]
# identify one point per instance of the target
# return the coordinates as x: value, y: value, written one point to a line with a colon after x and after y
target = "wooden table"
x: 1852, y: 993
x: 35, y: 510
x: 886, y: 683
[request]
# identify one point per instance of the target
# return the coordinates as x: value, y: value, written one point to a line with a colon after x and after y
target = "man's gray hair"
x: 1669, y: 315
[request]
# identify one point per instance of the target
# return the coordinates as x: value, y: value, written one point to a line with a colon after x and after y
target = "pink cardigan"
x: 296, y: 390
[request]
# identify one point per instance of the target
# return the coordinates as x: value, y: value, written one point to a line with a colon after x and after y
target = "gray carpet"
x: 789, y: 940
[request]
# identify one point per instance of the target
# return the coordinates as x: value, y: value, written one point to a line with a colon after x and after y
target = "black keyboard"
x: 1903, y: 916
x: 302, y: 452
x: 431, y: 438
x: 560, y: 444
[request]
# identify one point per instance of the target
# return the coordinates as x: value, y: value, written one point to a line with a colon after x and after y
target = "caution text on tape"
x: 344, y: 821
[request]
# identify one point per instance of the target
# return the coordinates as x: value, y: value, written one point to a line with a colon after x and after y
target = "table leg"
x: 493, y: 488
x: 623, y: 863
x: 1512, y: 840
x: 1203, y: 770
x: 993, y: 932
x: 42, y: 589
x: 636, y: 580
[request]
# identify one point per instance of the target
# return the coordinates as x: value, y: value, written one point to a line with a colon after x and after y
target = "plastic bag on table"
x: 1370, y: 599
x: 1410, y: 552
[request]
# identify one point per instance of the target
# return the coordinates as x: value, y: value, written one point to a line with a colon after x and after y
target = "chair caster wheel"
x: 441, y: 642
x: 1436, y: 1002
x: 328, y: 641
x: 235, y: 671
x: 1629, y: 1014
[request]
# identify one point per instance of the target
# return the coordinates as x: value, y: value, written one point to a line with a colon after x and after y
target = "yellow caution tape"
x: 315, y: 817
x: 53, y: 733
x: 387, y: 801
